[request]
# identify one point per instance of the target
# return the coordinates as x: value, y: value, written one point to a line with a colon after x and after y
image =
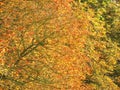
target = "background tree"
x: 103, y: 47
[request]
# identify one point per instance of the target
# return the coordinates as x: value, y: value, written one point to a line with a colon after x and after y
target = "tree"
x: 59, y: 44
x: 102, y: 48
x: 42, y: 45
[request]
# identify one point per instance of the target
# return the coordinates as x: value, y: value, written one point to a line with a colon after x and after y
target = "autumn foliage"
x: 55, y: 45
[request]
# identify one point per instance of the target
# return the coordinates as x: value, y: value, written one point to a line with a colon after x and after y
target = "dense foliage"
x: 59, y: 45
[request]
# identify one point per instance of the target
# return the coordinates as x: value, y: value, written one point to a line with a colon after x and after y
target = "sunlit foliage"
x: 59, y: 45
